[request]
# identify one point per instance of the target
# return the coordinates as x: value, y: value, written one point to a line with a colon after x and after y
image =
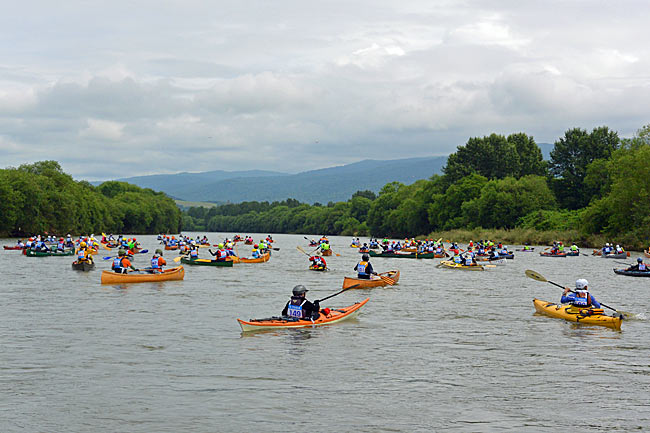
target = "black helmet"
x: 299, y: 290
x: 639, y: 259
x: 365, y: 257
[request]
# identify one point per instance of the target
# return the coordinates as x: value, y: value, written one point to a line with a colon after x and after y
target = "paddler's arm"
x: 286, y: 307
x: 594, y: 303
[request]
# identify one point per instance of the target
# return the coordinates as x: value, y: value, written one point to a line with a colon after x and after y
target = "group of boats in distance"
x: 478, y: 256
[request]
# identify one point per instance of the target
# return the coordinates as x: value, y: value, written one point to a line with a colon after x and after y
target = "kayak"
x: 83, y: 266
x: 335, y: 315
x: 354, y: 246
x: 407, y: 255
x: 573, y: 253
x: 318, y: 268
x: 15, y: 247
x: 594, y: 316
x: 171, y: 248
x: 32, y: 253
x: 495, y: 261
x: 553, y: 255
x: 600, y: 253
x: 454, y: 265
x: 622, y: 255
x: 632, y: 273
x: 529, y: 250
x: 110, y: 277
x: 376, y: 281
x: 509, y: 256
x: 248, y: 242
x: 207, y: 262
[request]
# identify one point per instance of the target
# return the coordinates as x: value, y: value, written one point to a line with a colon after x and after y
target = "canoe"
x: 207, y: 262
x: 110, y: 277
x: 265, y: 258
x: 622, y: 255
x: 407, y: 255
x: 326, y: 253
x: 171, y: 248
x: 544, y: 254
x: 248, y: 242
x: 573, y: 314
x: 409, y: 250
x: 374, y: 282
x: 32, y: 253
x: 83, y: 266
x: 453, y: 265
x: 335, y: 315
x: 15, y: 247
x: 632, y: 273
x: 318, y: 268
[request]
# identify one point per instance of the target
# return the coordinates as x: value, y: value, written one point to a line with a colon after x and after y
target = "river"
x: 442, y: 350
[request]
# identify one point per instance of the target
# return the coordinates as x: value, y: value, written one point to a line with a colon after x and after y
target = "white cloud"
x: 102, y: 130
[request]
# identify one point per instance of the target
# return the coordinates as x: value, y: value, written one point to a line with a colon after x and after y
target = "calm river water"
x: 444, y: 349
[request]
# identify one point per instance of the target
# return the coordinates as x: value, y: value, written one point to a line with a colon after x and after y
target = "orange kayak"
x: 265, y: 258
x: 335, y: 315
x: 373, y: 282
x: 110, y: 277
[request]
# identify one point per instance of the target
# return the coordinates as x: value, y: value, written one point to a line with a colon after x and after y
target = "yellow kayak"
x: 590, y: 316
x: 454, y: 265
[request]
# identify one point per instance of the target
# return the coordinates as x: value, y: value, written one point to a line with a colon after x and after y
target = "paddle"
x: 338, y: 293
x: 538, y: 277
x: 178, y: 259
x: 302, y: 251
x: 388, y: 280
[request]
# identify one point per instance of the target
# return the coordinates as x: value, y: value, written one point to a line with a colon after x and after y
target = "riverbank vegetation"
x: 40, y: 197
x: 594, y: 187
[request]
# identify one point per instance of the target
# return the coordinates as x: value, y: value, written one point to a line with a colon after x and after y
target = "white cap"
x: 581, y: 283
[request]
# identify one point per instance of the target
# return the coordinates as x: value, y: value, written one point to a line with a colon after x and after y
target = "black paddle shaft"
x: 604, y: 305
x: 338, y: 293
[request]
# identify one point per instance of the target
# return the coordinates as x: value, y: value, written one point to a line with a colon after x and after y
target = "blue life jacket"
x: 154, y: 263
x: 81, y: 255
x: 361, y: 268
x: 117, y: 263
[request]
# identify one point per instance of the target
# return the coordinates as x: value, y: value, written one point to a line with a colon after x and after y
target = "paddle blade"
x: 301, y: 250
x: 177, y: 259
x: 535, y: 276
x: 143, y: 252
x: 107, y: 258
x: 387, y: 280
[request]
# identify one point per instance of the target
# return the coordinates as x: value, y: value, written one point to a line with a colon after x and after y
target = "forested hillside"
x: 594, y: 185
x: 40, y: 197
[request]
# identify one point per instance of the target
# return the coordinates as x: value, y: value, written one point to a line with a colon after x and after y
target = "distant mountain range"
x: 323, y: 185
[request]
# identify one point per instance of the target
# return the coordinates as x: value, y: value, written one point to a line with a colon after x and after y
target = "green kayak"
x: 206, y: 262
x: 404, y: 255
x: 32, y: 253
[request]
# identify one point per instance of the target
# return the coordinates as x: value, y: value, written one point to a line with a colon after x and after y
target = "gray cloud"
x: 147, y: 88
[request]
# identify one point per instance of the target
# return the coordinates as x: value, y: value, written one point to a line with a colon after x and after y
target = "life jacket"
x: 458, y: 259
x: 642, y: 267
x: 154, y: 263
x: 581, y: 302
x: 468, y: 261
x: 117, y: 263
x: 194, y: 254
x: 325, y: 246
x: 81, y: 255
x: 60, y: 246
x: 361, y: 268
x: 295, y: 308
x: 255, y: 253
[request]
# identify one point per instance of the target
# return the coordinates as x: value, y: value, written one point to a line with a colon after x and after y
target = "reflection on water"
x: 443, y: 349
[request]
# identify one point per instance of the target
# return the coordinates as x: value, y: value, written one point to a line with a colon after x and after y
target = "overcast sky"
x: 122, y: 88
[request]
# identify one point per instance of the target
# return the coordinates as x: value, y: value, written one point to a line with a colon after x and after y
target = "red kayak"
x: 15, y: 247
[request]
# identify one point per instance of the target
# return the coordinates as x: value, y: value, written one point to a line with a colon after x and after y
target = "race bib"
x: 294, y: 311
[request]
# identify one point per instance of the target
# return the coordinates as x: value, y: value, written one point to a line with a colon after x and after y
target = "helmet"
x: 581, y: 283
x: 365, y: 257
x: 82, y: 245
x: 639, y: 259
x: 61, y: 239
x: 121, y: 253
x: 255, y: 246
x: 159, y: 251
x: 617, y: 246
x: 606, y: 244
x: 221, y: 245
x: 299, y: 290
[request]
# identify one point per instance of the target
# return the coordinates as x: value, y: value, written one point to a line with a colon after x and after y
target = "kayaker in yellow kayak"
x: 581, y: 297
x: 299, y: 307
x: 364, y: 268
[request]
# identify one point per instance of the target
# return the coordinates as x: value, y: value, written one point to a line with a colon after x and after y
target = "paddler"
x: 83, y: 255
x: 640, y: 266
x: 121, y: 264
x: 157, y: 262
x: 581, y: 297
x: 364, y: 268
x: 324, y: 246
x: 299, y: 307
x: 318, y: 262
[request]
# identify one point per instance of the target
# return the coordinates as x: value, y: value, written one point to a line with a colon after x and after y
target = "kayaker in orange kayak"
x: 581, y: 297
x: 121, y: 264
x: 157, y: 262
x: 299, y: 307
x: 364, y: 268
